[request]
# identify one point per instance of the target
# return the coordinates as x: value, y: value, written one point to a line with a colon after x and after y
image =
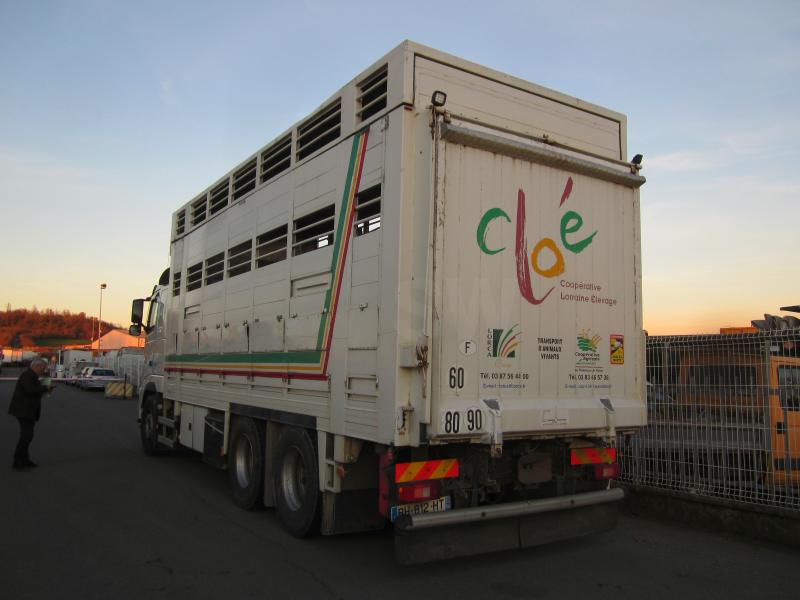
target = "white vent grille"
x: 276, y: 159
x: 215, y: 268
x: 199, y: 210
x: 368, y: 210
x: 321, y: 129
x: 313, y: 231
x: 219, y: 198
x: 194, y: 277
x: 240, y: 258
x: 244, y: 180
x: 180, y: 222
x: 372, y: 94
x: 271, y: 246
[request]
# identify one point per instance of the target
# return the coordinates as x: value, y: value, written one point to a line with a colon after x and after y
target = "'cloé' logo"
x: 571, y: 222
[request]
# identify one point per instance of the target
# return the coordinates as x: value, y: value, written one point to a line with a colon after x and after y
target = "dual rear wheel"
x: 294, y: 468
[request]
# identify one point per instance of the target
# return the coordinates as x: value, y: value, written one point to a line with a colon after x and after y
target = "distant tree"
x: 24, y: 327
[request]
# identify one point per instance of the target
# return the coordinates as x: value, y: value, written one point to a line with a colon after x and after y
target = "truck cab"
x: 153, y: 324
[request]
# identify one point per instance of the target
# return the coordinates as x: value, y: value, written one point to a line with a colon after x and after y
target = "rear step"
x: 169, y: 427
x: 166, y: 441
x: 466, y: 532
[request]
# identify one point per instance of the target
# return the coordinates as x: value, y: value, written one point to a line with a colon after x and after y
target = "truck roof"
x: 393, y: 74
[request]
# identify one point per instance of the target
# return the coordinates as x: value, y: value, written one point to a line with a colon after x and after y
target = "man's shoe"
x: 30, y: 464
x: 20, y: 467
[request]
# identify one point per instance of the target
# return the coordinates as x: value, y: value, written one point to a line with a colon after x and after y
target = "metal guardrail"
x: 723, y: 418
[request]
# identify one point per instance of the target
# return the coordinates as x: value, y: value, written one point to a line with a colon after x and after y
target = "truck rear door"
x: 537, y: 289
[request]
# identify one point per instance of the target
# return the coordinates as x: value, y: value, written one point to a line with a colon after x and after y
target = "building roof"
x: 113, y: 340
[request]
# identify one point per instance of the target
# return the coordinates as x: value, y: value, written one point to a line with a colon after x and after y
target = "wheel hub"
x: 244, y: 462
x: 294, y: 479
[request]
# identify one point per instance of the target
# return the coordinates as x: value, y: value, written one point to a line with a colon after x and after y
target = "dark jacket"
x: 26, y: 402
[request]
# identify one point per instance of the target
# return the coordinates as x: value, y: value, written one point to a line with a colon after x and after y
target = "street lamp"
x: 100, y: 317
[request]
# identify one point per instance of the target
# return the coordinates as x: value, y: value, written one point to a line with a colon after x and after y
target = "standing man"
x: 26, y: 405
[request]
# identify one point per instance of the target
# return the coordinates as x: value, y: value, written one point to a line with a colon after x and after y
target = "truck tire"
x: 246, y: 463
x: 148, y: 429
x: 297, y: 496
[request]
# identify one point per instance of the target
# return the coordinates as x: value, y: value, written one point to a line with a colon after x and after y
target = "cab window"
x: 156, y: 317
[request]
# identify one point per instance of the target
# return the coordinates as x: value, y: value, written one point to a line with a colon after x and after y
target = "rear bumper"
x: 470, y: 531
x: 511, y: 509
x: 94, y: 385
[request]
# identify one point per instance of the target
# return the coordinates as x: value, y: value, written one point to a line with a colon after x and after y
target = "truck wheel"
x: 246, y: 463
x: 297, y: 482
x: 148, y: 428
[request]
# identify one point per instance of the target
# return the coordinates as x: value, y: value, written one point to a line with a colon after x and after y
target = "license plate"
x: 418, y: 508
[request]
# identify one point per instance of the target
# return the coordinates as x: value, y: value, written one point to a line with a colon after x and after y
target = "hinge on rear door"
x: 435, y: 111
x: 495, y: 436
x: 611, y: 429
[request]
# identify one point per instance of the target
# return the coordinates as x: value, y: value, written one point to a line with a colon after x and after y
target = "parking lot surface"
x: 99, y: 519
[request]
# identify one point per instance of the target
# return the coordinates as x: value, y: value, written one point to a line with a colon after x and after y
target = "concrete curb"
x: 764, y: 523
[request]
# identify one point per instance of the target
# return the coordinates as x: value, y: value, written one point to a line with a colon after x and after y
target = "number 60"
x: 456, y: 378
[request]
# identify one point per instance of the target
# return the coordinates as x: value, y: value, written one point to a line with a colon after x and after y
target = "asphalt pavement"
x: 99, y: 519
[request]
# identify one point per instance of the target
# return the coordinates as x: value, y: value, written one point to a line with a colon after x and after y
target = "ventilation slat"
x: 373, y: 107
x: 322, y: 115
x: 368, y: 210
x: 373, y: 93
x: 271, y: 246
x: 180, y: 223
x: 313, y: 231
x: 215, y: 268
x: 176, y: 283
x: 199, y: 210
x: 321, y: 129
x: 219, y: 198
x: 194, y: 277
x: 276, y: 159
x: 244, y: 180
x: 240, y: 258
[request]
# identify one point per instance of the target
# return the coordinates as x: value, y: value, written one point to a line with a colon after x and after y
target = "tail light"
x: 419, y: 492
x: 610, y: 471
x: 592, y: 456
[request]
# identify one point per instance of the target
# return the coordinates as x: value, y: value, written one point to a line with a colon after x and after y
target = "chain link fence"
x: 723, y: 418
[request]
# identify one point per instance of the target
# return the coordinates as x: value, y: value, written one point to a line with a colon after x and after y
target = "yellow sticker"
x: 617, y: 349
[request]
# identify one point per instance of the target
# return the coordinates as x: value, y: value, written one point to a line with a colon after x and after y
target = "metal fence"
x: 723, y: 418
x: 129, y: 368
x: 127, y: 363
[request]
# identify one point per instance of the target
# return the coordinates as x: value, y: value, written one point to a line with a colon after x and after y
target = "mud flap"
x: 414, y: 546
x: 350, y: 511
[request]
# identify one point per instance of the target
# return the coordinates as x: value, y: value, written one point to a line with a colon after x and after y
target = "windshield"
x: 103, y: 372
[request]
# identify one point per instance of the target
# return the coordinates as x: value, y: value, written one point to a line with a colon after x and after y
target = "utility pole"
x: 100, y: 317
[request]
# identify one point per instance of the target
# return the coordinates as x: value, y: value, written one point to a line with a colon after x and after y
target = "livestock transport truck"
x: 421, y: 304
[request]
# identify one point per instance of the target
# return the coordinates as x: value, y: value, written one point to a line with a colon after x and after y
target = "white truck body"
x: 413, y: 276
x: 73, y: 361
x: 16, y: 356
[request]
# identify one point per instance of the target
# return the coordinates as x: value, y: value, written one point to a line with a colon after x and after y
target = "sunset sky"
x: 114, y: 114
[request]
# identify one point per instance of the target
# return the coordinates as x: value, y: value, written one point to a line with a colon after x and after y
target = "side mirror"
x: 135, y: 330
x: 137, y: 312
